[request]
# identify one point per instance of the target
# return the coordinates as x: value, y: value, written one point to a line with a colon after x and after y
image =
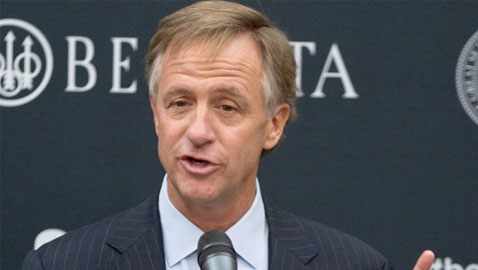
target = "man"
x: 221, y: 81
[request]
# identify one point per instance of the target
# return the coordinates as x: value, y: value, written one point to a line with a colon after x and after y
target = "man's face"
x: 211, y: 121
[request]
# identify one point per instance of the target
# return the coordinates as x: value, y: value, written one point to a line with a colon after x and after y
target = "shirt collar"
x: 250, y: 233
x: 180, y: 235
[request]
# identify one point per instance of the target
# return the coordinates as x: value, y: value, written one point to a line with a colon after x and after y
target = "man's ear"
x: 276, y: 125
x: 155, y: 113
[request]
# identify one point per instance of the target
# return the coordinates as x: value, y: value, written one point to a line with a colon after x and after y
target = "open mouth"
x: 197, y: 162
x: 198, y: 166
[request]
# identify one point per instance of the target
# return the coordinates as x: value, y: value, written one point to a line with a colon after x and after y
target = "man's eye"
x: 180, y: 103
x: 227, y: 108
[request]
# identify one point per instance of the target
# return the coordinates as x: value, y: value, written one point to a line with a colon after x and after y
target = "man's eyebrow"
x: 176, y: 92
x: 231, y: 91
x: 226, y: 91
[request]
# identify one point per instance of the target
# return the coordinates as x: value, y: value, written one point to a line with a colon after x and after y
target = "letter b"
x: 73, y: 62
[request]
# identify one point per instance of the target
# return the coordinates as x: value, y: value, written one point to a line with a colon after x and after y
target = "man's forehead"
x: 235, y: 69
x: 212, y: 47
x: 239, y: 57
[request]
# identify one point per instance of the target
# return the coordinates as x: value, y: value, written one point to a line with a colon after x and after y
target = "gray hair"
x: 217, y: 22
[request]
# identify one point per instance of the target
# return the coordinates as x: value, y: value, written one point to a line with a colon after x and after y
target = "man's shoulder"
x: 327, y: 234
x: 93, y: 244
x: 333, y: 247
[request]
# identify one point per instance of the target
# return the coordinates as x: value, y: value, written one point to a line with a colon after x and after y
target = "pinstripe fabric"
x: 133, y: 240
x: 129, y: 240
x: 298, y: 243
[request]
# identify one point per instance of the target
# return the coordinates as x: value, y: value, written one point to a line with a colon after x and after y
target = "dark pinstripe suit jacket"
x: 133, y: 240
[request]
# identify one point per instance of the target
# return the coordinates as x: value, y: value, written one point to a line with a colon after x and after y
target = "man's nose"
x: 200, y: 131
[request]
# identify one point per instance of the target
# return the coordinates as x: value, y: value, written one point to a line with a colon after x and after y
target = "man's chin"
x: 198, y: 197
x: 193, y: 191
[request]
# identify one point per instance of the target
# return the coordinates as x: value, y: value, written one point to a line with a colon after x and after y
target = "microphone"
x: 215, y: 252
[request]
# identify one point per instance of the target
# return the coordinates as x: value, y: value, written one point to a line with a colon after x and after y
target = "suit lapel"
x: 137, y: 237
x: 289, y: 245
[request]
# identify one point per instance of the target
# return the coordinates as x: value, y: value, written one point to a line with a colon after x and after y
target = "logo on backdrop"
x: 467, y: 77
x: 448, y: 264
x: 26, y: 62
x: 46, y: 236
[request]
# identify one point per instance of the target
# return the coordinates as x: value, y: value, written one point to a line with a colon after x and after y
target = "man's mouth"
x: 198, y: 162
x: 197, y: 165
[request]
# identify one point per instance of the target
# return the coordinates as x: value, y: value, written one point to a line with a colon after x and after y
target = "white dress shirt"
x: 249, y: 235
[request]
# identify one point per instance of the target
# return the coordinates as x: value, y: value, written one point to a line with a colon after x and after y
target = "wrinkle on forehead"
x: 239, y: 58
x: 244, y: 78
x: 202, y: 52
x: 204, y: 67
x: 211, y: 46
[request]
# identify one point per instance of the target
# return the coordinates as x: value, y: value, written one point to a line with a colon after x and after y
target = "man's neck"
x: 216, y: 215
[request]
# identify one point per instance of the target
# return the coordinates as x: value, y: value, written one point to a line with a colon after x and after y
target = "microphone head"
x: 214, y: 243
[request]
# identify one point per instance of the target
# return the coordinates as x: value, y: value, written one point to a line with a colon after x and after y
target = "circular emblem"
x: 467, y: 77
x: 26, y: 62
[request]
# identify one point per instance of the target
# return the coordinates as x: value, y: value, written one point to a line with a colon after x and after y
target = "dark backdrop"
x: 396, y: 167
